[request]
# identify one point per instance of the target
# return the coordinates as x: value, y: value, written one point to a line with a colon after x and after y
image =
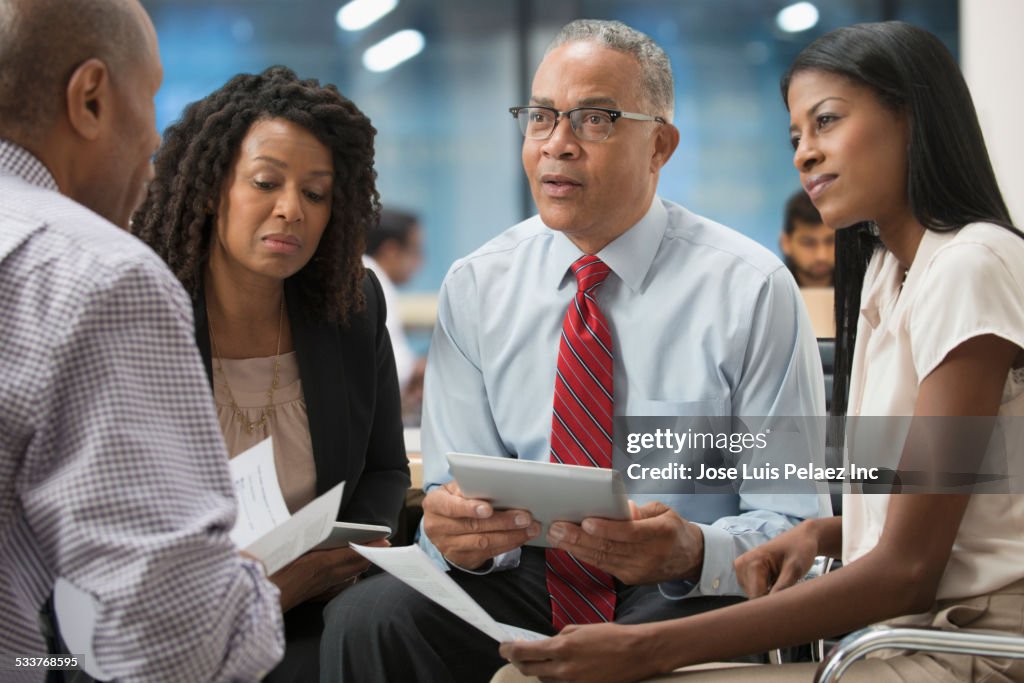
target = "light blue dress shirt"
x: 704, y: 321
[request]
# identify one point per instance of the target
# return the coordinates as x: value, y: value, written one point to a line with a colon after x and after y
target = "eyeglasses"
x: 592, y: 124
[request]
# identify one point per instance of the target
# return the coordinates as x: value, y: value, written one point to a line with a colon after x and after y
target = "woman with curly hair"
x: 263, y: 193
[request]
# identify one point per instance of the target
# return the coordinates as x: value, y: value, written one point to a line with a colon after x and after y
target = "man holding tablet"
x: 611, y: 302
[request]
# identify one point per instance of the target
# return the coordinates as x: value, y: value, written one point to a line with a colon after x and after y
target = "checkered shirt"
x: 113, y: 473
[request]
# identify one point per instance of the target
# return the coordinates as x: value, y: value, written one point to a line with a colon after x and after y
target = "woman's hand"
x: 320, y: 574
x: 598, y: 653
x: 780, y: 562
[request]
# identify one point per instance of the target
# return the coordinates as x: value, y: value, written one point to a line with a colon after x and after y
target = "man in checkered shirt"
x: 113, y: 475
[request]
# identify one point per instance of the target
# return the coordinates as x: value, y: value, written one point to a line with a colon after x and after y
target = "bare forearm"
x: 836, y: 603
x: 829, y: 532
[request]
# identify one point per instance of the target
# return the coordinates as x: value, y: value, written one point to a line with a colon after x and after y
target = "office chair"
x: 858, y: 644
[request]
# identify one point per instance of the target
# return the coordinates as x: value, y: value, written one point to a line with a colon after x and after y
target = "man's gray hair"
x: 656, y: 87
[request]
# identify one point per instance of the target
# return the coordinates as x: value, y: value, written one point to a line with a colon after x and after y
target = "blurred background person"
x: 263, y: 193
x: 809, y: 251
x: 807, y: 244
x: 394, y: 252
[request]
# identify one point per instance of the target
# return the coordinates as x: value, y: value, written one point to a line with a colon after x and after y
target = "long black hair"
x: 176, y: 219
x: 950, y: 181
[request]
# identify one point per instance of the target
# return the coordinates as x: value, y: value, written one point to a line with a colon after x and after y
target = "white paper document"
x: 410, y: 565
x: 263, y: 527
x: 261, y: 506
x: 76, y: 618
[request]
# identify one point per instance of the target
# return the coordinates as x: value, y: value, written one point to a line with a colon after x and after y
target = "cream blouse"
x: 249, y: 379
x: 961, y: 285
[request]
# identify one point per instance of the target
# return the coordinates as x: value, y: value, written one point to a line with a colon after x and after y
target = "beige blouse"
x: 249, y: 379
x: 961, y: 285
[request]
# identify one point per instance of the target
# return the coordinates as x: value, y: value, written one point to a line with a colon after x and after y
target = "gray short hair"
x: 656, y: 85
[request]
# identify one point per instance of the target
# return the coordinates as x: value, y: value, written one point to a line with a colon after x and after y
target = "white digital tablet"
x: 343, y: 533
x: 549, y: 491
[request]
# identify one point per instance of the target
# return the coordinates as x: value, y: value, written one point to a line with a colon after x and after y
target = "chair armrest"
x: 856, y: 645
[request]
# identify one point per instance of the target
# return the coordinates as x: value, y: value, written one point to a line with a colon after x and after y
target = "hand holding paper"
x: 264, y: 528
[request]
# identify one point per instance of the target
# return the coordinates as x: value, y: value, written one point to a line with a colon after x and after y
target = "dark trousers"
x: 382, y: 631
x: 301, y: 663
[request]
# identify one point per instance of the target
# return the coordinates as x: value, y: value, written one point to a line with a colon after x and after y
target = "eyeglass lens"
x: 537, y: 123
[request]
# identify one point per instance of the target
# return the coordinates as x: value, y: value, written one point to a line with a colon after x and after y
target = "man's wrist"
x: 694, y: 541
x: 484, y: 568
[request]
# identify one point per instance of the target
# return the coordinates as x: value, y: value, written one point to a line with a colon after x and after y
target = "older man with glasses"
x: 610, y: 302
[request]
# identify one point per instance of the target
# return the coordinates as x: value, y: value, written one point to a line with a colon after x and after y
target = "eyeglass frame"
x: 615, y: 115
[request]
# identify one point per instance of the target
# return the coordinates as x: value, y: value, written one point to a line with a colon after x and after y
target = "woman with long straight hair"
x: 930, y: 324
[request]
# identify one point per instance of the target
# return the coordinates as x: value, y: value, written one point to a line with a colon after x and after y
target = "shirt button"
x: 715, y: 584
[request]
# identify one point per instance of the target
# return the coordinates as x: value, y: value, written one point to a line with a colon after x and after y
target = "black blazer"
x: 350, y: 386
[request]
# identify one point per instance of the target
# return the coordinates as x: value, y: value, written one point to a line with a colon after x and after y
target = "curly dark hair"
x: 199, y: 150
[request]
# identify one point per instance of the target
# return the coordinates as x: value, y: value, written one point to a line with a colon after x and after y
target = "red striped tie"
x: 581, y: 434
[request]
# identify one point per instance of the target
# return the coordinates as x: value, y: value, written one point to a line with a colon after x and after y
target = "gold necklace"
x: 236, y: 411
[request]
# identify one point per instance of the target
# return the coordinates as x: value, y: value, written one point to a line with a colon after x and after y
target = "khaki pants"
x: 1002, y: 610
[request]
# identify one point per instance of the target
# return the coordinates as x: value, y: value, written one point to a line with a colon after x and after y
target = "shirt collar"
x: 873, y: 299
x: 629, y: 256
x: 18, y: 161
x: 886, y: 286
x: 930, y: 242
